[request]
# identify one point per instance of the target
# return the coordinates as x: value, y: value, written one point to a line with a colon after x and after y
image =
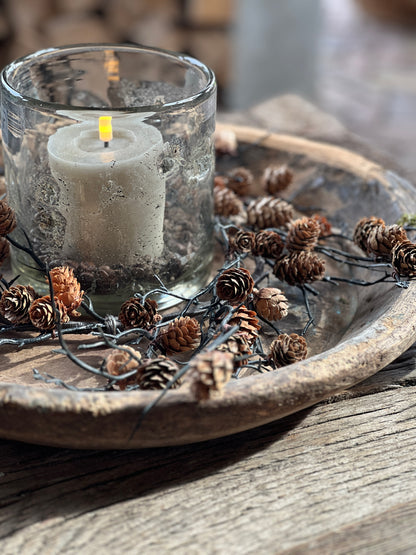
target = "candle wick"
x: 106, y: 143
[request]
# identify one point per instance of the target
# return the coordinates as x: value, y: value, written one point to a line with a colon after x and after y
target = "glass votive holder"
x: 109, y: 163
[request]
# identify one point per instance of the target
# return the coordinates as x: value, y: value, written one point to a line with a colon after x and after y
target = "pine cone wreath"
x: 181, y: 335
x: 324, y: 224
x: 268, y: 244
x: 303, y: 235
x: 4, y: 249
x: 299, y: 268
x: 67, y: 288
x: 209, y: 372
x: 7, y: 219
x: 270, y: 303
x: 276, y: 178
x: 234, y: 285
x: 238, y: 346
x: 287, y: 349
x: 269, y: 212
x: 403, y: 259
x: 383, y: 238
x: 226, y: 202
x: 362, y: 231
x: 156, y: 374
x: 15, y: 303
x: 41, y: 313
x: 248, y: 324
x: 242, y: 241
x: 134, y: 314
x: 123, y: 361
x: 240, y: 181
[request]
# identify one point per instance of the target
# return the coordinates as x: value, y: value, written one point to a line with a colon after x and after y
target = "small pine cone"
x: 209, y: 372
x: 15, y: 303
x: 362, y: 231
x: 7, y: 219
x: 287, y: 349
x: 226, y: 202
x: 403, y: 259
x: 42, y: 315
x: 240, y: 181
x: 122, y: 361
x: 269, y: 212
x: 299, y: 268
x: 270, y: 303
x: 242, y: 241
x: 325, y: 226
x: 248, y: 324
x: 225, y: 142
x: 182, y: 334
x: 67, y: 288
x: 276, y: 179
x: 383, y: 238
x: 303, y: 235
x: 268, y: 244
x: 234, y: 285
x: 4, y: 249
x: 133, y: 314
x: 237, y: 345
x: 157, y: 372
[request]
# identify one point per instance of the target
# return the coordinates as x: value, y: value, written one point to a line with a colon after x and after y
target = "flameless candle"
x: 112, y: 191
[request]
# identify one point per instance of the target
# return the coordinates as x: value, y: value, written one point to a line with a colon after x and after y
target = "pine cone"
x: 15, y: 303
x: 276, y: 178
x: 4, y: 249
x: 242, y: 241
x: 268, y: 244
x: 383, y: 238
x: 135, y: 315
x: 325, y: 226
x: 269, y: 212
x: 121, y: 361
x: 225, y: 142
x: 248, y: 324
x: 303, y: 235
x: 236, y: 345
x: 7, y: 219
x: 42, y: 315
x: 209, y: 372
x: 182, y: 334
x: 287, y: 349
x: 240, y: 180
x: 403, y: 259
x: 67, y: 288
x: 156, y: 373
x: 362, y: 231
x: 299, y: 268
x: 234, y: 285
x: 270, y: 303
x: 226, y: 202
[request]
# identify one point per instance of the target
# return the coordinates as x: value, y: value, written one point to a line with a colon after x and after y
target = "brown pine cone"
x: 270, y: 303
x: 41, y: 313
x: 236, y: 345
x: 226, y: 202
x: 234, y: 285
x: 135, y: 315
x: 225, y: 142
x: 242, y: 241
x: 325, y: 226
x: 240, y: 180
x: 269, y: 212
x: 248, y: 324
x: 299, y: 268
x: 268, y: 244
x: 121, y: 361
x: 209, y: 372
x: 303, y: 234
x: 287, y: 349
x: 7, y: 219
x: 403, y: 259
x: 67, y: 288
x: 15, y: 303
x: 182, y: 334
x: 4, y: 249
x: 383, y: 238
x: 276, y: 178
x: 362, y: 231
x: 157, y: 372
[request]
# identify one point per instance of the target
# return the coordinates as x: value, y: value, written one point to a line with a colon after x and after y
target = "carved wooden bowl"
x: 359, y: 329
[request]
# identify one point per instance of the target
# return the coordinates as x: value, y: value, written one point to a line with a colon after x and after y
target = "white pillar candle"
x: 113, y: 199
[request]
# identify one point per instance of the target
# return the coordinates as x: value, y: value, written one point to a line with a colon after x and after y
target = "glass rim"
x: 196, y: 98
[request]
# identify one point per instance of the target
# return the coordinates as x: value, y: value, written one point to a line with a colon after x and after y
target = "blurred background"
x: 353, y: 58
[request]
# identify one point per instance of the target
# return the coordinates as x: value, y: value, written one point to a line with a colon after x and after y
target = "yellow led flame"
x: 112, y: 65
x: 105, y: 128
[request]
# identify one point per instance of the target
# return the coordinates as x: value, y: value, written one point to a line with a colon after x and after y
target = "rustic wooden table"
x: 337, y: 478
